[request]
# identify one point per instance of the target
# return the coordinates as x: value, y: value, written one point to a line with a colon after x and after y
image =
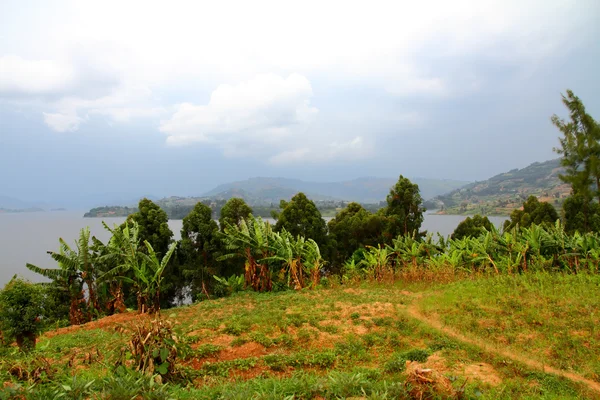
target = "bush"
x: 20, y: 309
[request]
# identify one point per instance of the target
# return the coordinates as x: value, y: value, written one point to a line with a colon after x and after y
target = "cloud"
x: 62, y: 122
x: 262, y: 111
x: 20, y: 77
x: 351, y: 150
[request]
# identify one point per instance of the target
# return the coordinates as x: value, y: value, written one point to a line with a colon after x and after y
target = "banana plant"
x: 376, y: 261
x: 76, y: 272
x: 312, y: 261
x: 251, y: 240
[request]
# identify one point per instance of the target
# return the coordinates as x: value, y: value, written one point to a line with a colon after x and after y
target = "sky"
x: 132, y: 98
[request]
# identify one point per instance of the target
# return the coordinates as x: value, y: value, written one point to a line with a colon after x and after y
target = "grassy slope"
x: 339, y: 343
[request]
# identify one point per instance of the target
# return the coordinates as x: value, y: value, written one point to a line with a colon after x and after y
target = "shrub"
x: 155, y: 348
x: 20, y: 309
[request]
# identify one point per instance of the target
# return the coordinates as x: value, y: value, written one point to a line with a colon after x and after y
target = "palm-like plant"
x: 312, y: 261
x: 376, y: 260
x: 75, y: 273
x: 251, y: 240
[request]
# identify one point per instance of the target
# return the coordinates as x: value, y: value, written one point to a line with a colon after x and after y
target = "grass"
x: 337, y: 343
x: 553, y: 318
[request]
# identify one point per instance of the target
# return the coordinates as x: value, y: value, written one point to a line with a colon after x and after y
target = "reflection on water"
x: 25, y: 237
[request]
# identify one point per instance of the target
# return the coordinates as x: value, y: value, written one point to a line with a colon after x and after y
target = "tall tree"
x: 233, y: 212
x: 153, y: 225
x: 300, y: 216
x: 404, y: 209
x: 580, y: 150
x: 154, y: 228
x: 199, y: 245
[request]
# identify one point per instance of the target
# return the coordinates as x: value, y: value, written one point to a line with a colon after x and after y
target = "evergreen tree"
x: 300, y: 216
x: 199, y: 245
x: 233, y: 212
x: 404, y: 211
x: 580, y: 150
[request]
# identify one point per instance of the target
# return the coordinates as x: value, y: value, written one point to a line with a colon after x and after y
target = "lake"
x: 25, y: 237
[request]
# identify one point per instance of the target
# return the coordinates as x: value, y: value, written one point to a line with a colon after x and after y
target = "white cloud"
x: 264, y: 110
x: 63, y: 122
x: 65, y: 55
x: 33, y: 77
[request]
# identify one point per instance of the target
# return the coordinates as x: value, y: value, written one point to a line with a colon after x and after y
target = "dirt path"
x: 414, y: 312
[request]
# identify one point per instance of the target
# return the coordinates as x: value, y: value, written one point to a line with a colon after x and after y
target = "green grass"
x: 334, y: 343
x: 553, y: 318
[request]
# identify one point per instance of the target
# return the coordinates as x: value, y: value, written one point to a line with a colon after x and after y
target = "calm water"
x: 25, y: 237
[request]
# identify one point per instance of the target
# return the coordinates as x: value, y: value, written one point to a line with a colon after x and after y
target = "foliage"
x: 233, y: 213
x: 76, y: 273
x: 20, y: 311
x: 472, y: 227
x: 153, y: 226
x: 404, y: 211
x: 352, y: 228
x: 533, y: 212
x: 581, y: 214
x: 198, y: 247
x: 155, y: 348
x: 297, y: 261
x: 300, y: 217
x: 580, y: 148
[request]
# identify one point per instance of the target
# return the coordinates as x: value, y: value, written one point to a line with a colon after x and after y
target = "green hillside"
x: 505, y: 192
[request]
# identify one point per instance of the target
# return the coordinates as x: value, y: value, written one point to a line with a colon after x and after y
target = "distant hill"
x: 363, y: 190
x: 264, y: 194
x: 505, y: 192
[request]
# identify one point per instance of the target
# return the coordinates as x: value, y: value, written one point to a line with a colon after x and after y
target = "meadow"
x: 471, y: 336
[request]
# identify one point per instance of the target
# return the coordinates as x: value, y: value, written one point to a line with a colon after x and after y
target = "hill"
x: 505, y: 192
x: 378, y: 341
x: 363, y: 190
x: 264, y: 194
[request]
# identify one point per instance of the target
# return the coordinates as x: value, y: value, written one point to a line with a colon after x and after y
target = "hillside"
x: 363, y: 190
x: 505, y: 192
x: 389, y: 341
x: 264, y: 194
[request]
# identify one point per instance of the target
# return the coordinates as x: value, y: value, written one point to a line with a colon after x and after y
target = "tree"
x: 533, y: 212
x: 199, y: 245
x: 20, y: 309
x: 76, y: 272
x: 580, y: 150
x: 404, y: 211
x: 353, y: 228
x: 153, y: 225
x: 472, y: 227
x: 301, y: 217
x: 581, y: 215
x: 233, y: 212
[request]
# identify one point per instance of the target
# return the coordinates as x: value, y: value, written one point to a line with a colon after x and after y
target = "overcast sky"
x: 175, y: 97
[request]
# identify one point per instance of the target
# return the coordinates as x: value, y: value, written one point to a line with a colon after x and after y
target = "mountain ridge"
x: 505, y: 192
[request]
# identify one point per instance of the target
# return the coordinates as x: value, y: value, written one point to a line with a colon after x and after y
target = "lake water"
x: 25, y: 237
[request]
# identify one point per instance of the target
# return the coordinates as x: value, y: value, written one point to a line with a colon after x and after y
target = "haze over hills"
x: 364, y: 190
x: 505, y: 192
